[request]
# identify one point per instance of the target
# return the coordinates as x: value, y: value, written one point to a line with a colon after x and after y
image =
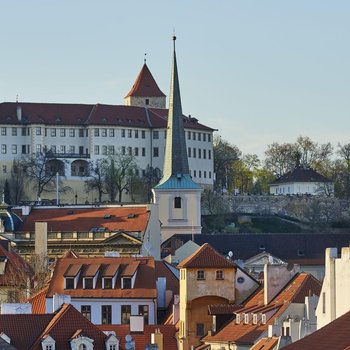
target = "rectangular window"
x: 155, y: 152
x: 194, y: 135
x: 81, y: 132
x: 143, y: 134
x: 130, y: 151
x: 97, y: 132
x: 205, y: 174
x: 209, y: 174
x: 14, y: 149
x: 194, y: 173
x: 126, y: 283
x: 97, y: 149
x: 204, y: 137
x: 200, y: 275
x: 86, y: 311
x: 24, y: 131
x: 71, y: 132
x: 204, y: 153
x: 194, y: 152
x: 38, y: 131
x: 165, y: 134
x: 123, y: 150
x: 199, y: 329
x: 199, y: 136
x: 69, y: 283
x: 104, y: 132
x: 4, y: 169
x: 14, y: 131
x: 189, y: 135
x: 71, y: 149
x: 136, y: 151
x: 104, y: 150
x: 209, y: 138
x: 63, y: 132
x: 24, y: 149
x: 324, y: 302
x: 136, y: 134
x: 111, y: 132
x: 189, y: 152
x: 129, y: 133
x: 63, y: 149
x: 155, y: 135
x: 106, y: 314
x: 3, y: 131
x: 107, y: 283
x: 219, y: 275
x: 199, y: 173
x: 53, y: 149
x: 88, y: 283
x: 53, y: 132
x: 199, y: 153
x: 143, y: 152
x: 125, y: 314
x: 111, y: 149
x: 38, y: 148
x: 209, y: 154
x: 144, y: 311
x: 123, y: 132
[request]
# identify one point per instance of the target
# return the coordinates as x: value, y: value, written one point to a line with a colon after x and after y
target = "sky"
x: 259, y: 71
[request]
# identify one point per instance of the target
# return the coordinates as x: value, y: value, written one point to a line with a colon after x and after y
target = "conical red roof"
x: 145, y: 85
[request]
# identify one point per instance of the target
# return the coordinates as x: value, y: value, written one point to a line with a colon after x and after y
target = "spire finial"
x: 17, y: 98
x: 145, y: 59
x: 174, y: 37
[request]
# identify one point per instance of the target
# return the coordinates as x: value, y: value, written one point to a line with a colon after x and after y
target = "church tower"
x: 145, y: 92
x: 177, y: 195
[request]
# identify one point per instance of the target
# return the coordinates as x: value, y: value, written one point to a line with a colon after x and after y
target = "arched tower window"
x: 177, y: 202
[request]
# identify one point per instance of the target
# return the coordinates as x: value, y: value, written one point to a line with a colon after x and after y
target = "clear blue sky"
x: 259, y: 71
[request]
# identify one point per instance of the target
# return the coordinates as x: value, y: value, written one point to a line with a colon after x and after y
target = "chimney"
x: 58, y: 300
x: 276, y: 277
x: 41, y: 244
x: 19, y: 113
x: 157, y: 338
x: 26, y: 210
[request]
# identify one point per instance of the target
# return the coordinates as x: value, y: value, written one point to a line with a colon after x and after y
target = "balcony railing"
x: 68, y: 155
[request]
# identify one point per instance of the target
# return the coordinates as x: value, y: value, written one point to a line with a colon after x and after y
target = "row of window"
x: 125, y: 313
x: 192, y: 152
x: 14, y: 131
x: 192, y: 135
x: 194, y: 173
x: 219, y: 275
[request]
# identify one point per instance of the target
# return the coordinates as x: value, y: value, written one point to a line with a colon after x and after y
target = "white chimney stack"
x: 19, y: 113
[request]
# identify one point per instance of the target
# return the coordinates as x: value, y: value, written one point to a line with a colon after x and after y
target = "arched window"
x: 177, y: 202
x: 82, y: 347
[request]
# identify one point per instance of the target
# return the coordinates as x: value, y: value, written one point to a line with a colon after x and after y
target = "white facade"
x: 334, y: 299
x: 299, y: 188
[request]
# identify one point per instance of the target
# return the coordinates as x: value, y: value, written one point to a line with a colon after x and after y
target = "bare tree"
x: 17, y: 181
x: 344, y: 152
x: 98, y: 170
x: 280, y: 158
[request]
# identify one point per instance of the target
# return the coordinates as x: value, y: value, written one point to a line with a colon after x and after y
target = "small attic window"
x: 104, y: 119
x: 262, y: 246
x: 70, y: 212
x: 58, y: 119
x: 131, y: 216
x: 107, y: 216
x: 300, y: 252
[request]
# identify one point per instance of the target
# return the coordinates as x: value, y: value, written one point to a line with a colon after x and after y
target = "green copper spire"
x: 176, y: 168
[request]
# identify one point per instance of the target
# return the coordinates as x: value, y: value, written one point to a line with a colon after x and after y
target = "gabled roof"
x: 162, y: 269
x: 38, y: 301
x: 145, y: 85
x: 83, y: 219
x: 265, y: 344
x: 144, y: 287
x: 16, y: 268
x: 206, y: 257
x: 143, y: 338
x: 301, y: 174
x: 334, y: 335
x: 243, y: 333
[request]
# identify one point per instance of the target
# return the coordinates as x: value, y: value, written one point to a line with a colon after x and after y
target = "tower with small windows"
x: 177, y: 195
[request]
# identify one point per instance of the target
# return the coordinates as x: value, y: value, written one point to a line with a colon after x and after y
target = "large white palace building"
x: 77, y: 134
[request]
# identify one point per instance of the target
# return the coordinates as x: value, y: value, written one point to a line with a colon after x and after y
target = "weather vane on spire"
x: 145, y: 58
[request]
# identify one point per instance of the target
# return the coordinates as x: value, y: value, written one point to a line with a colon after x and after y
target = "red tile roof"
x: 333, y: 336
x: 206, y: 256
x: 38, y: 301
x: 145, y: 85
x: 145, y: 282
x: 16, y: 268
x: 65, y: 114
x: 223, y: 309
x: 265, y: 344
x: 141, y: 339
x: 26, y: 331
x: 300, y: 286
x: 84, y: 219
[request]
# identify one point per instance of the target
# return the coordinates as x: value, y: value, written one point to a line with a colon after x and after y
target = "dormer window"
x: 69, y: 283
x: 88, y: 283
x: 147, y: 101
x: 200, y: 275
x: 177, y: 202
x: 107, y: 283
x: 126, y: 283
x: 48, y: 343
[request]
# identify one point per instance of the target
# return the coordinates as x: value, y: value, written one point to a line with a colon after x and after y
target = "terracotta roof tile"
x: 142, y: 339
x: 223, y: 309
x: 84, y: 219
x: 206, y: 256
x: 333, y: 336
x: 248, y: 333
x: 145, y: 282
x: 38, y: 301
x: 265, y: 344
x: 145, y: 85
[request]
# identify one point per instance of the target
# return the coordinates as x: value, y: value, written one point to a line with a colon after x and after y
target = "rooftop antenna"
x: 17, y: 98
x: 145, y: 59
